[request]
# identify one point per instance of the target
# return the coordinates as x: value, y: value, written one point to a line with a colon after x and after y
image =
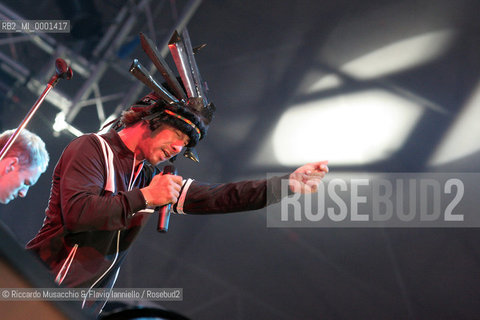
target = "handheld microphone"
x: 164, y: 212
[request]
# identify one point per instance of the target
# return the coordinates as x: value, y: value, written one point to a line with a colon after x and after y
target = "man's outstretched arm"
x: 203, y: 198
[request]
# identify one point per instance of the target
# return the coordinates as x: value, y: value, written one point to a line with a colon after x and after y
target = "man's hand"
x: 163, y: 189
x: 307, y: 178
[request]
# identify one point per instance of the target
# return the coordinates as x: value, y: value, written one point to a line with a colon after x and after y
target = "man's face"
x: 163, y: 144
x: 15, y: 180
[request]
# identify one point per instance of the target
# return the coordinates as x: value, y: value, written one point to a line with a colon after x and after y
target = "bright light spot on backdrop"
x: 362, y: 127
x: 401, y: 55
x: 323, y: 82
x: 354, y: 129
x: 393, y: 58
x: 463, y: 138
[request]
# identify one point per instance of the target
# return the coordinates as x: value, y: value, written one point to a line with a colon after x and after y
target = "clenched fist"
x: 164, y: 189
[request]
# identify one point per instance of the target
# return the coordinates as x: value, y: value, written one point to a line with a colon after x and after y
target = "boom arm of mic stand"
x: 53, y: 81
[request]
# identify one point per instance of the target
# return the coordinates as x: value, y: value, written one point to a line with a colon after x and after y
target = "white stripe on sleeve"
x: 181, y: 199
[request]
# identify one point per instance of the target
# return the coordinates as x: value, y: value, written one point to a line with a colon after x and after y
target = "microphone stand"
x: 62, y: 71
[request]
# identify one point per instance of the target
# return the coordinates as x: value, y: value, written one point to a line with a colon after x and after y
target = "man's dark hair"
x: 155, y: 115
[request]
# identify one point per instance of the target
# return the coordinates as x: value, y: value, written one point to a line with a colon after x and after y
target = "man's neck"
x: 131, y: 137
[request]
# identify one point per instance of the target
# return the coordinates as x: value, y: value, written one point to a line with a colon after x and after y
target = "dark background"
x: 260, y: 57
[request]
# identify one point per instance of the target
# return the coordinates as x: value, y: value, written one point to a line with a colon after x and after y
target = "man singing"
x: 105, y: 186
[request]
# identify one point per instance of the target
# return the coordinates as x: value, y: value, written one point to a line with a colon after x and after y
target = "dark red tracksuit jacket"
x: 99, y: 223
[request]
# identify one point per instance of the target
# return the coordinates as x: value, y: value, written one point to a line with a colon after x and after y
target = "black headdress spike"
x: 142, y: 74
x: 190, y: 103
x: 162, y: 66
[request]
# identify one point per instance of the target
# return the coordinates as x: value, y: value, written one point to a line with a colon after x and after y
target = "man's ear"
x: 9, y: 164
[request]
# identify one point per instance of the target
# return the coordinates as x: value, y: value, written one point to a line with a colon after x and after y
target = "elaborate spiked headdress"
x: 185, y: 107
